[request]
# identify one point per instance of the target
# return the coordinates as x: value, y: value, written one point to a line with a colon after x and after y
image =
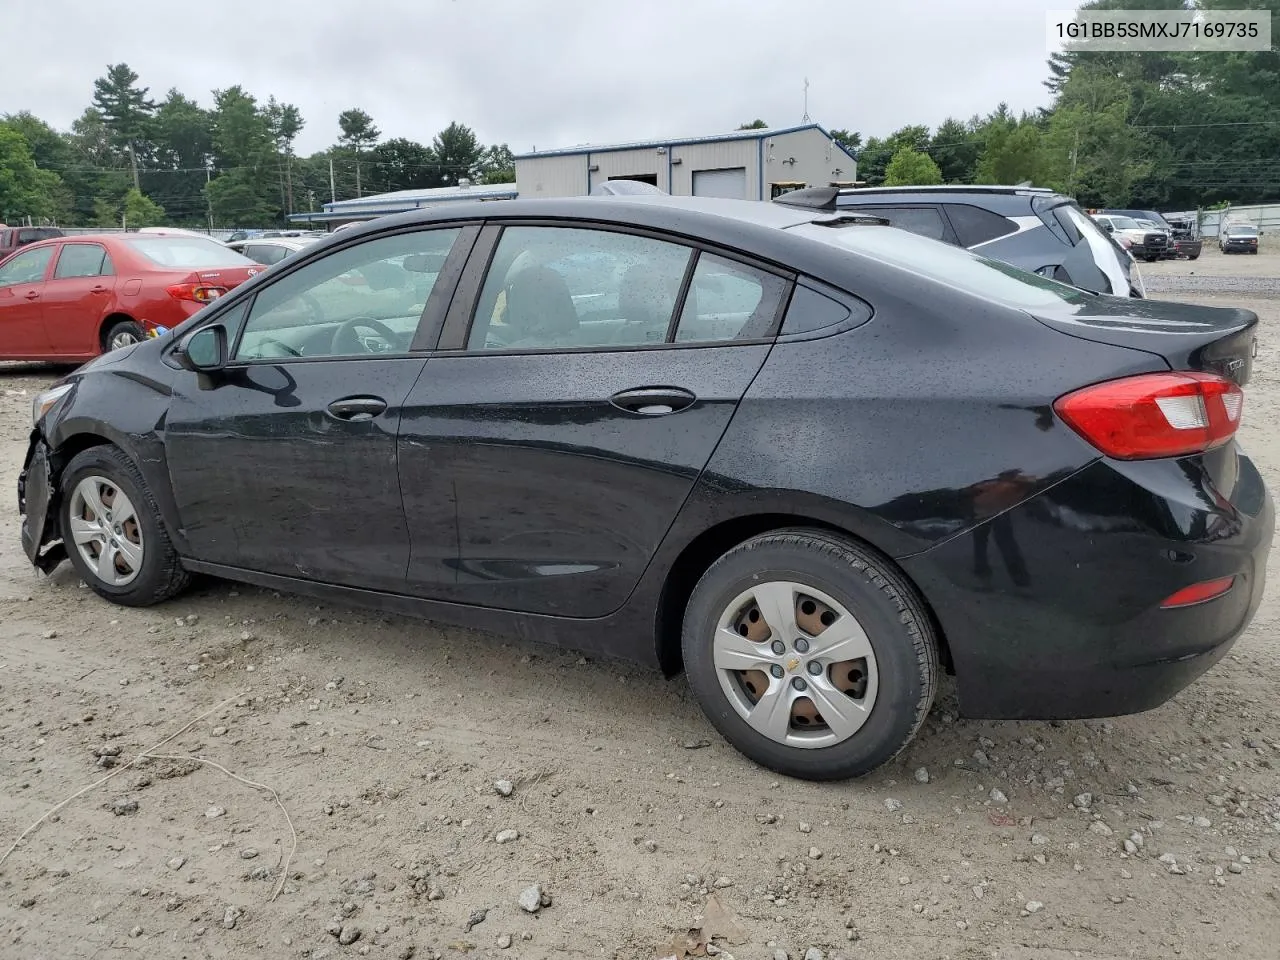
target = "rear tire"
x: 141, y: 567
x: 122, y: 334
x: 785, y: 589
x: 1193, y: 256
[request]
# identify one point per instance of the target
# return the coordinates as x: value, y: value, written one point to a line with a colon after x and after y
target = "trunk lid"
x: 1221, y: 340
x: 228, y: 277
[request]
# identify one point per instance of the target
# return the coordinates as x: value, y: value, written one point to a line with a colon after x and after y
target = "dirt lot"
x: 1146, y: 836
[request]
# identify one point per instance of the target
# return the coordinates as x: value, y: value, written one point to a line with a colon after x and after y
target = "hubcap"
x: 105, y: 530
x: 819, y: 689
x: 123, y: 339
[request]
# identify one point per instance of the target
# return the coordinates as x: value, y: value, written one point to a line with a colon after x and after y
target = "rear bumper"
x: 1188, y: 248
x: 1067, y: 623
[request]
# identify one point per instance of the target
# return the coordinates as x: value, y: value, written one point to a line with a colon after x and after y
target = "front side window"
x: 26, y: 267
x: 82, y: 260
x: 729, y: 301
x: 367, y: 298
x: 560, y: 288
x: 266, y: 254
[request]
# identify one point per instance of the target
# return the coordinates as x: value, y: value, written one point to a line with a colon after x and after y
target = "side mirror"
x: 1110, y: 228
x: 204, y: 350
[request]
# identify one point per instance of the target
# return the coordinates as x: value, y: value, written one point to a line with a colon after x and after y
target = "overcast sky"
x: 550, y: 73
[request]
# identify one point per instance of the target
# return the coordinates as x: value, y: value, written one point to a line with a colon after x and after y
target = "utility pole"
x: 208, y: 202
x: 333, y: 190
x: 805, y: 118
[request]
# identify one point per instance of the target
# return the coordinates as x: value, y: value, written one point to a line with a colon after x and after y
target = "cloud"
x: 550, y: 73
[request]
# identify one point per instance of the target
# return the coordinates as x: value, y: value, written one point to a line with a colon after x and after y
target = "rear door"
x: 77, y: 297
x: 22, y: 284
x: 564, y: 426
x: 302, y: 422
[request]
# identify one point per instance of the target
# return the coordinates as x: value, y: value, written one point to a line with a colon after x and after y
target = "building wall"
x: 721, y: 155
x: 818, y: 162
x: 559, y: 176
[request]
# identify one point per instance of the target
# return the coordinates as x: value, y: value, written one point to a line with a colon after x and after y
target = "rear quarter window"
x: 973, y: 225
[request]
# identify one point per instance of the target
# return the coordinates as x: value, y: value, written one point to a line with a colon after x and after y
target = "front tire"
x: 810, y: 654
x: 112, y: 530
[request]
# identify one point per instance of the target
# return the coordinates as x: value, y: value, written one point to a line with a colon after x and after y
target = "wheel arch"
x: 109, y: 321
x: 703, y: 550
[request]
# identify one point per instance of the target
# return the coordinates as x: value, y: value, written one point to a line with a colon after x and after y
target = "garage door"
x: 731, y: 183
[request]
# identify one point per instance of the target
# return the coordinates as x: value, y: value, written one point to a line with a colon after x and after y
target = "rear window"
x: 1242, y: 231
x: 953, y: 266
x: 187, y: 252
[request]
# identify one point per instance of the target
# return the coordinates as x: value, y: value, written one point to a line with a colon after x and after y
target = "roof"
x: 409, y: 199
x: 761, y: 133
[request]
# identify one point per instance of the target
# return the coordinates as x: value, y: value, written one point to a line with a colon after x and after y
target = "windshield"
x: 187, y: 252
x: 1125, y: 223
x: 944, y: 263
x: 1245, y: 230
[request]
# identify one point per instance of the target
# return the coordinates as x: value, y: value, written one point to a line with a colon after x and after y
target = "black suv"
x: 1029, y: 227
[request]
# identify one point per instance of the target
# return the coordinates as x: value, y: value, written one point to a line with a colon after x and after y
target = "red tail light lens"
x: 1155, y: 415
x: 199, y: 292
x: 1199, y: 593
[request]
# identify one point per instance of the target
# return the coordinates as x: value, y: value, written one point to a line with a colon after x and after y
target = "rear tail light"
x: 1199, y: 593
x: 1155, y: 415
x: 199, y: 292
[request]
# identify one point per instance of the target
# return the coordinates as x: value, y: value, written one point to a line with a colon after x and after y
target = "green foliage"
x: 498, y: 165
x: 1012, y: 155
x: 25, y: 189
x: 141, y: 211
x: 125, y: 109
x: 756, y: 124
x: 910, y: 167
x: 238, y: 199
x: 457, y: 154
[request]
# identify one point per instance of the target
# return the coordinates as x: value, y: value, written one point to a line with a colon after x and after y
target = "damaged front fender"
x: 37, y: 496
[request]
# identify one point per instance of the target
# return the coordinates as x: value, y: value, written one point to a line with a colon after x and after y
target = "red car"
x: 72, y: 298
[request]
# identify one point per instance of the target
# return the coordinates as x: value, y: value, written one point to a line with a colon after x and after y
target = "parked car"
x: 1030, y: 228
x: 271, y: 250
x: 11, y: 238
x: 1238, y: 238
x: 1157, y: 220
x: 1186, y: 237
x: 809, y: 459
x: 69, y: 299
x: 1148, y: 243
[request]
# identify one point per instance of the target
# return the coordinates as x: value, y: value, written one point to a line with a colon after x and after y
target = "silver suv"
x: 1031, y: 228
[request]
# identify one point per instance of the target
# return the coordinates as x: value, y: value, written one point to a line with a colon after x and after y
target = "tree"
x: 457, y: 153
x: 874, y: 158
x: 955, y: 149
x: 756, y: 124
x: 25, y: 189
x: 498, y: 165
x: 1012, y: 155
x: 126, y: 111
x: 850, y: 141
x: 401, y: 164
x: 284, y: 123
x: 236, y: 200
x: 910, y: 167
x: 141, y: 211
x: 183, y: 134
x: 358, y: 132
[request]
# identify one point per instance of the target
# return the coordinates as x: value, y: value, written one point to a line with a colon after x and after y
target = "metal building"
x: 746, y: 164
x: 337, y: 213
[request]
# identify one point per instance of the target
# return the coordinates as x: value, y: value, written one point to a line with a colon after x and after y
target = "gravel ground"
x: 455, y: 793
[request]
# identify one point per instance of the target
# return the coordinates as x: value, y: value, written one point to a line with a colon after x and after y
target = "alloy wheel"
x: 105, y: 530
x: 124, y: 338
x: 795, y: 664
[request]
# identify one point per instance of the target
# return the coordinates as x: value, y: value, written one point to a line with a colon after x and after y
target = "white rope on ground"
x: 284, y: 869
x: 150, y: 754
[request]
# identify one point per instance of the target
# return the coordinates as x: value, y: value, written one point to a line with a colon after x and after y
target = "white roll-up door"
x: 730, y: 183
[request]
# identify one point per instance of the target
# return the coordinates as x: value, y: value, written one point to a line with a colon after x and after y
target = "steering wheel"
x: 273, y: 342
x: 346, y: 341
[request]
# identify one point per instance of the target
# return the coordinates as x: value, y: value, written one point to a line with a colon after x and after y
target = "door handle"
x: 98, y: 289
x: 356, y: 409
x: 33, y: 295
x: 653, y: 401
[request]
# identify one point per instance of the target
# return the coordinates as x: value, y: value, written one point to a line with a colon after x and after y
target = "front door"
x: 76, y: 299
x: 570, y: 425
x: 285, y: 462
x: 22, y: 286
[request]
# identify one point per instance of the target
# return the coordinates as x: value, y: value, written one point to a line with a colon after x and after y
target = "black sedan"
x: 811, y: 460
